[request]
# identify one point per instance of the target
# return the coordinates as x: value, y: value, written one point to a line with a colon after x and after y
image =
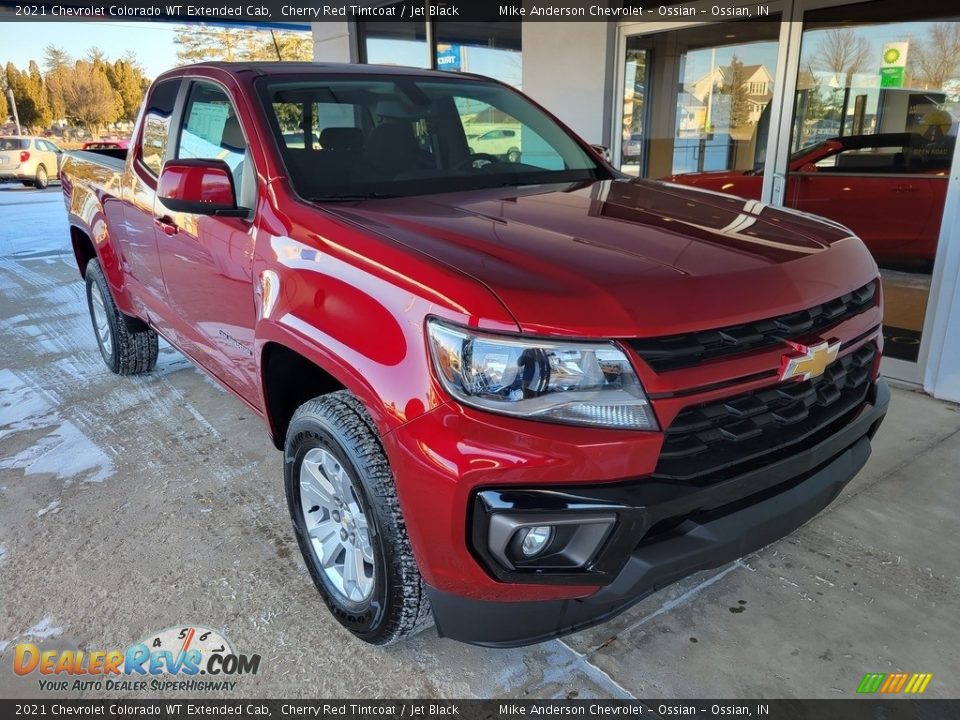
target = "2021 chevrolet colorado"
x: 522, y: 392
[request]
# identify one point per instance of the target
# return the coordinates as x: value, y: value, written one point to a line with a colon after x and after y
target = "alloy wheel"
x: 101, y: 322
x: 336, y: 525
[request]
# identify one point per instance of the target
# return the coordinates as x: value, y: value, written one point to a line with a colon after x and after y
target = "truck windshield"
x: 352, y: 137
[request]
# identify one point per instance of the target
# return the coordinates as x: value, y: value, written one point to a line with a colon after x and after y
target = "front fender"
x: 357, y: 322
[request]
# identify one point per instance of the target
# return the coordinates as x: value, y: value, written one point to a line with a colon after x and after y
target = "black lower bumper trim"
x: 699, y: 543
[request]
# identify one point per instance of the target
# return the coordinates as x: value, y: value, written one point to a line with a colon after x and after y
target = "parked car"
x: 34, y: 161
x: 502, y: 143
x: 521, y: 396
x: 889, y: 189
x: 106, y: 145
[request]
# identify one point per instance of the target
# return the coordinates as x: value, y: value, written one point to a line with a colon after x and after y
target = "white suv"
x: 31, y: 160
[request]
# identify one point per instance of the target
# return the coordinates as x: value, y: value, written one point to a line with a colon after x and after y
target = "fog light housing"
x: 536, y: 540
x: 546, y: 542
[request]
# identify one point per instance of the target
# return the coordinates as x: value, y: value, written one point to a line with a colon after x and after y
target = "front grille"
x: 715, y: 440
x: 676, y: 351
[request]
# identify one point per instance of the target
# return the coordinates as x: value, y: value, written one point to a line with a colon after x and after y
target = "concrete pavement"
x: 129, y: 505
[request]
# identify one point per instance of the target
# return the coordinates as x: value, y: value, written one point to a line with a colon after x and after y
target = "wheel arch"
x: 289, y: 380
x: 83, y: 249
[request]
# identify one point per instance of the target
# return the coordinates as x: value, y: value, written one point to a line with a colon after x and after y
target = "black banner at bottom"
x: 858, y: 709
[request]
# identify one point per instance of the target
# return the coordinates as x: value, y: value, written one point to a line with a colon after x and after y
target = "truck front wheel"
x: 348, y: 522
x: 124, y: 350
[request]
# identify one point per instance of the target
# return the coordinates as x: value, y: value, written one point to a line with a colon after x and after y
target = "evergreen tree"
x: 29, y: 95
x: 4, y: 105
x: 128, y: 83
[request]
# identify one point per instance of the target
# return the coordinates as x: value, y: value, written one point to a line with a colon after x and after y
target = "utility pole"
x: 13, y: 106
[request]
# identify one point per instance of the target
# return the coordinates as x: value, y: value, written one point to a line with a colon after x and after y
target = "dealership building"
x: 848, y: 110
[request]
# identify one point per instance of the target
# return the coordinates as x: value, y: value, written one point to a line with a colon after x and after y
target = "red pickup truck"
x: 521, y: 393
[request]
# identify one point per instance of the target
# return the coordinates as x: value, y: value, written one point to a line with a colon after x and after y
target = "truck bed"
x: 112, y: 158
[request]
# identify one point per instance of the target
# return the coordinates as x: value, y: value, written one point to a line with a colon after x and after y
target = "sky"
x: 151, y: 42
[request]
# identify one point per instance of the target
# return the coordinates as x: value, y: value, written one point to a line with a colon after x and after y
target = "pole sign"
x: 448, y: 57
x: 894, y: 64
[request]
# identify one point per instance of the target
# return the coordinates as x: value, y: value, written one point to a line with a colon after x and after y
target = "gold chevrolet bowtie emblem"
x: 811, y: 361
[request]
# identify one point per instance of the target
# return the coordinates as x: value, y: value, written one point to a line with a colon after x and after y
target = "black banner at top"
x: 305, y: 11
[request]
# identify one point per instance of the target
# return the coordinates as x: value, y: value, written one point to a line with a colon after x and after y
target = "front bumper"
x: 706, y: 526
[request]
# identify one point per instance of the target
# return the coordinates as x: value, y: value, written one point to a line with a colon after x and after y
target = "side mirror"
x: 603, y: 151
x: 200, y: 187
x: 808, y: 168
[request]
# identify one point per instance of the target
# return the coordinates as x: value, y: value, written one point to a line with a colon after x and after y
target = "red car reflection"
x: 888, y: 188
x: 106, y: 145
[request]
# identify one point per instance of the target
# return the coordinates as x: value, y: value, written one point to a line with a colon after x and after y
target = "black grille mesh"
x: 676, y: 351
x: 704, y: 440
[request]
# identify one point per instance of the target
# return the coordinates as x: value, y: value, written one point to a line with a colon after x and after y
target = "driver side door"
x: 206, y: 259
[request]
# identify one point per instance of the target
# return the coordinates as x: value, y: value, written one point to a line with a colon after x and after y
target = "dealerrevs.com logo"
x: 173, y: 659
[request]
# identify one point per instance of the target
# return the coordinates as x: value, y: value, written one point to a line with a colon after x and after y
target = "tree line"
x: 89, y: 92
x: 93, y: 91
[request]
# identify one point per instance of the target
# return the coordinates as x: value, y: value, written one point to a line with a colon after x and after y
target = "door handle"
x: 166, y: 224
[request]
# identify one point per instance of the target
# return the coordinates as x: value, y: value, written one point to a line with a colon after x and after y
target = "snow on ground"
x: 24, y: 231
x: 34, y: 236
x: 64, y: 451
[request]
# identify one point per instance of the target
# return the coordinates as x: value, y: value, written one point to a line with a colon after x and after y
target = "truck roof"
x: 299, y: 68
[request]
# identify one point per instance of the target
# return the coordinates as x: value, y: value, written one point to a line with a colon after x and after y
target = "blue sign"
x: 448, y: 57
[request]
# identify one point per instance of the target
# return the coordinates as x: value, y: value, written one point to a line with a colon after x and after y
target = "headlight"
x: 571, y: 382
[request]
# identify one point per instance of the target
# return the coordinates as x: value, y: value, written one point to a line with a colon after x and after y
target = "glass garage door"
x: 873, y: 135
x: 697, y: 100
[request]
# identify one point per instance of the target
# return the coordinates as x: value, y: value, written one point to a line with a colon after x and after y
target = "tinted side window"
x: 156, y: 124
x: 211, y: 129
x: 879, y: 159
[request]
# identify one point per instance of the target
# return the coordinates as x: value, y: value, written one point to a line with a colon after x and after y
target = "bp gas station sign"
x: 893, y: 66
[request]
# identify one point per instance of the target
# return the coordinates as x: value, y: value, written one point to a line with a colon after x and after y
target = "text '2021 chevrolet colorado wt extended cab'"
x: 520, y: 391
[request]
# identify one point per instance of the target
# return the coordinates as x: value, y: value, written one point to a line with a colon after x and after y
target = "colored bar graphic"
x: 912, y: 683
x: 871, y: 682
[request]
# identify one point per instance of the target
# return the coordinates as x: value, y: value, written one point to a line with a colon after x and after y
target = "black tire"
x: 125, y: 351
x: 513, y: 155
x: 398, y: 606
x: 41, y: 181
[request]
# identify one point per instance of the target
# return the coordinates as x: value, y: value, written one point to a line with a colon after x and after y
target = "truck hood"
x: 626, y: 258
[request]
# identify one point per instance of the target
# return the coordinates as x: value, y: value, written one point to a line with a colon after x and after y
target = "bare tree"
x: 235, y: 43
x: 936, y: 61
x: 843, y: 53
x: 88, y: 98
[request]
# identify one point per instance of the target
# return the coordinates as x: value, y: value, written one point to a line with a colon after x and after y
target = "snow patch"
x: 44, y: 629
x: 21, y: 407
x: 53, y: 508
x: 65, y: 451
